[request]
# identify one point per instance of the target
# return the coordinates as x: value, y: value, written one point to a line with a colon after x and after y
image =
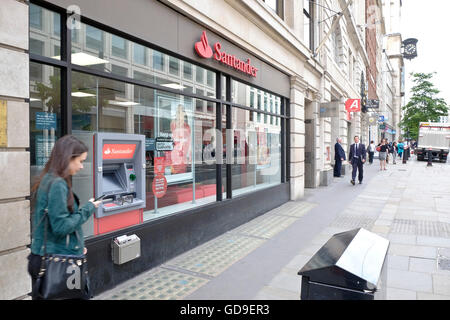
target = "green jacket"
x: 64, y: 232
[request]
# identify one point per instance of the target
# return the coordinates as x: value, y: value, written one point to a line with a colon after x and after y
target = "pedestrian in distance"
x: 60, y: 232
x: 394, y: 151
x: 357, y: 158
x: 400, y: 147
x: 339, y: 156
x: 387, y: 152
x: 371, y: 151
x: 382, y: 153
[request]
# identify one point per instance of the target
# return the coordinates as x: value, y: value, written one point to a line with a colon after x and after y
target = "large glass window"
x: 187, y: 123
x: 45, y: 31
x: 45, y: 115
x: 100, y: 104
x: 256, y: 153
x: 145, y: 63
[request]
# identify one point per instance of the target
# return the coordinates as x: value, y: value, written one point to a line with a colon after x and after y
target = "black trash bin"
x: 350, y: 266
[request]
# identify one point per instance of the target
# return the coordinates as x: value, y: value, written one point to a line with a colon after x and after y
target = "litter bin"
x: 350, y: 266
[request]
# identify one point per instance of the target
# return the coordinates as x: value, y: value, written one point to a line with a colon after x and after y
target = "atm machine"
x: 119, y: 176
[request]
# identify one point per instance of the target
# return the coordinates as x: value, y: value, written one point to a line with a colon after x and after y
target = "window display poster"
x: 45, y: 120
x: 180, y: 156
x: 44, y: 148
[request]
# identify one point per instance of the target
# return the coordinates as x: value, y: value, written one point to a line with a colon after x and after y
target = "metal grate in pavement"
x: 353, y: 222
x: 216, y: 255
x: 266, y: 228
x: 421, y: 228
x: 160, y: 285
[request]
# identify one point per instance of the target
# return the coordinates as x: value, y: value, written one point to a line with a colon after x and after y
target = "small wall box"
x: 126, y: 248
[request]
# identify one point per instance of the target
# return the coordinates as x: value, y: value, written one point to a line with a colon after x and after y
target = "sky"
x: 429, y: 22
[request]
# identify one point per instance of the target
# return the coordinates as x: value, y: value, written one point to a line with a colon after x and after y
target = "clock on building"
x: 410, y: 48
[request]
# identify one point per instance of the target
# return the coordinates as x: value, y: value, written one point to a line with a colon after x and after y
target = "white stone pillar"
x: 297, y: 139
x: 15, y: 282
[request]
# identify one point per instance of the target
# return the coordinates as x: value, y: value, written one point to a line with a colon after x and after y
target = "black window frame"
x: 311, y: 17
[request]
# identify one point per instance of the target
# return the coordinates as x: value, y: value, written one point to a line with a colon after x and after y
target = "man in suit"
x: 339, y: 156
x: 357, y: 157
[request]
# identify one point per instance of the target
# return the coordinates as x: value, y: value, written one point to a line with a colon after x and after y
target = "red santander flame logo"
x: 204, y: 50
x: 202, y: 47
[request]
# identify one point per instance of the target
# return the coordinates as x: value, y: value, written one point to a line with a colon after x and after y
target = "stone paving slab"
x: 408, y: 280
x: 400, y: 294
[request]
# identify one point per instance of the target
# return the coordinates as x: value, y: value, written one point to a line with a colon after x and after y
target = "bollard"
x: 404, y: 156
x: 430, y: 158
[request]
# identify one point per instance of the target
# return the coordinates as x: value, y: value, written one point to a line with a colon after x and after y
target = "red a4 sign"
x: 353, y: 105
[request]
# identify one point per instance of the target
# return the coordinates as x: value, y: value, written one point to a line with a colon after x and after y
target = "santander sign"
x: 204, y: 50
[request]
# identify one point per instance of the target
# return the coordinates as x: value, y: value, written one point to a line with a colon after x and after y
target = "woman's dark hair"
x: 64, y: 150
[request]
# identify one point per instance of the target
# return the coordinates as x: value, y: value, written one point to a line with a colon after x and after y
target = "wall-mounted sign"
x: 204, y: 50
x: 329, y: 109
x: 381, y: 118
x: 353, y: 105
x: 150, y: 144
x: 45, y: 120
x: 3, y: 124
x: 164, y: 144
x: 373, y: 104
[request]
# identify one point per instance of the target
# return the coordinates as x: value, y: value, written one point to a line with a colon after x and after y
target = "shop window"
x: 36, y: 17
x: 139, y: 54
x: 119, y: 47
x: 199, y: 75
x: 187, y: 71
x: 45, y: 115
x: 158, y: 60
x: 174, y: 66
x: 257, y: 154
x: 210, y: 78
x: 189, y: 165
x: 44, y: 26
x: 94, y: 39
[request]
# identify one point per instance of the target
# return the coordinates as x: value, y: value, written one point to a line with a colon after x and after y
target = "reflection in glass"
x: 105, y: 105
x: 45, y: 31
x: 145, y: 64
x: 45, y: 115
x: 256, y: 153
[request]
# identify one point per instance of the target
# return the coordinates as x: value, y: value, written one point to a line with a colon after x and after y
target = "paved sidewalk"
x: 409, y: 204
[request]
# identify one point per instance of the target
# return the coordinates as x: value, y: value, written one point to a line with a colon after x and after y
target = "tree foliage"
x: 423, y: 106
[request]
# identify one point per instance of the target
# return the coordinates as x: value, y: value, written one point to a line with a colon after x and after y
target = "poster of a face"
x: 180, y: 156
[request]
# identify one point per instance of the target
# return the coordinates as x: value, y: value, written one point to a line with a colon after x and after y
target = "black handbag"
x: 61, y: 276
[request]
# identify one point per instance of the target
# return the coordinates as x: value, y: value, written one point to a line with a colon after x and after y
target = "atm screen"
x: 111, y: 183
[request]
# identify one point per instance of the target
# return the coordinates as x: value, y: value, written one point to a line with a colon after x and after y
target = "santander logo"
x: 204, y: 50
x: 202, y: 47
x: 119, y: 151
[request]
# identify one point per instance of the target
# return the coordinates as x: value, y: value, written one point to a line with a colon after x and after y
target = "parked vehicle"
x: 434, y: 136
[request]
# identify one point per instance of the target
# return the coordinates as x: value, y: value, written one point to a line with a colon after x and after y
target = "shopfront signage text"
x: 204, y: 50
x: 118, y: 151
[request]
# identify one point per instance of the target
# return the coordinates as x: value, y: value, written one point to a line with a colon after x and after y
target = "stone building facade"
x: 320, y: 46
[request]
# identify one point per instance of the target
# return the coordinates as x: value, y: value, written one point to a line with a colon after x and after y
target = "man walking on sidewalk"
x: 357, y: 157
x: 339, y: 156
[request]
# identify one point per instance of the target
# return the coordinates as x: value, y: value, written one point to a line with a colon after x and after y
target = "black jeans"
x: 371, y: 157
